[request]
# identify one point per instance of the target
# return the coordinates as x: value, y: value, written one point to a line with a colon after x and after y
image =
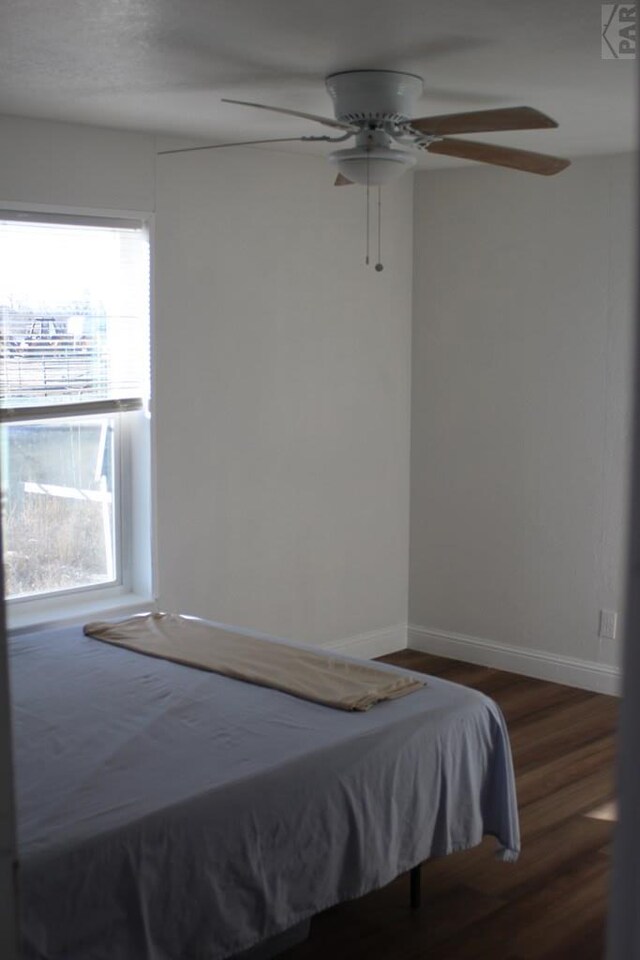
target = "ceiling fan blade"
x: 240, y: 143
x: 500, y: 156
x: 342, y: 181
x: 482, y: 121
x: 327, y: 121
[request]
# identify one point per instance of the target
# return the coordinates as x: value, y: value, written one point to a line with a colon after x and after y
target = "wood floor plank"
x: 563, y: 904
x: 531, y: 925
x: 543, y: 856
x: 587, y: 944
x: 576, y: 798
x: 526, y: 701
x: 551, y: 904
x: 546, y: 777
x: 559, y: 730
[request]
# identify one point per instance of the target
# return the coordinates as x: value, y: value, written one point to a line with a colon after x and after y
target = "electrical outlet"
x: 608, y: 624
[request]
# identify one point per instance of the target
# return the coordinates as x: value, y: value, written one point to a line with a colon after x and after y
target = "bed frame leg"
x: 415, y: 878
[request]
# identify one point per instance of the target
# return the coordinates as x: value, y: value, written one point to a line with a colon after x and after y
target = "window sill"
x: 69, y: 611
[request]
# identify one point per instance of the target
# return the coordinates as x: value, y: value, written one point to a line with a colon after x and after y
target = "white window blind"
x: 74, y: 309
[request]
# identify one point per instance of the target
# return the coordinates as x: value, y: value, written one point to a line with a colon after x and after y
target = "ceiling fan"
x: 376, y: 106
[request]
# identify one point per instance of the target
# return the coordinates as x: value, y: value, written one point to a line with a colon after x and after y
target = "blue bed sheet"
x: 167, y: 813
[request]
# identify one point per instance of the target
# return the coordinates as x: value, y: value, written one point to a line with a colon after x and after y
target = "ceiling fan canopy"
x: 366, y: 96
x: 376, y: 108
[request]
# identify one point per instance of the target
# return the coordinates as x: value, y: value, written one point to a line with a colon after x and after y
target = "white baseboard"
x: 586, y: 674
x: 377, y: 643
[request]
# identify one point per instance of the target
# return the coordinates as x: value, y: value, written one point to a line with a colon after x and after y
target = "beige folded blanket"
x: 311, y: 675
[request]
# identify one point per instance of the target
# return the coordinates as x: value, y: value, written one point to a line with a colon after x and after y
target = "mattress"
x: 167, y: 813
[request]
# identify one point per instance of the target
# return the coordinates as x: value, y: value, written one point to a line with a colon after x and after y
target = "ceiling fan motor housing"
x: 373, y: 99
x: 373, y: 95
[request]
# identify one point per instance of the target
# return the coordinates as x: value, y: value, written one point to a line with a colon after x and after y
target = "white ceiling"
x: 163, y: 65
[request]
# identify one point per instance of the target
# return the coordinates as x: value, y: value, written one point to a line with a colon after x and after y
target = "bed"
x: 168, y: 813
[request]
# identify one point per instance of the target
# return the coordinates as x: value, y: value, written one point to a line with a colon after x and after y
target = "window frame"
x: 134, y: 461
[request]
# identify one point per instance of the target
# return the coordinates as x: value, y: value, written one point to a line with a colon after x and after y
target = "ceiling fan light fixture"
x: 376, y: 166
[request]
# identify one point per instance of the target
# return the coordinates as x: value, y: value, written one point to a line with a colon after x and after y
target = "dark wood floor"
x: 551, y: 905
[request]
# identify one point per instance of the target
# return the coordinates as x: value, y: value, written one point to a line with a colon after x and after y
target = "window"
x: 74, y: 378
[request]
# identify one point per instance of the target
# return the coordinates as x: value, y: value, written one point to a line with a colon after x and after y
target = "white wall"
x: 623, y: 929
x: 283, y: 390
x: 523, y: 312
x: 283, y: 368
x: 60, y: 164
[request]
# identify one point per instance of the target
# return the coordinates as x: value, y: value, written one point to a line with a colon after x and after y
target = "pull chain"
x: 366, y: 259
x: 379, y: 266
